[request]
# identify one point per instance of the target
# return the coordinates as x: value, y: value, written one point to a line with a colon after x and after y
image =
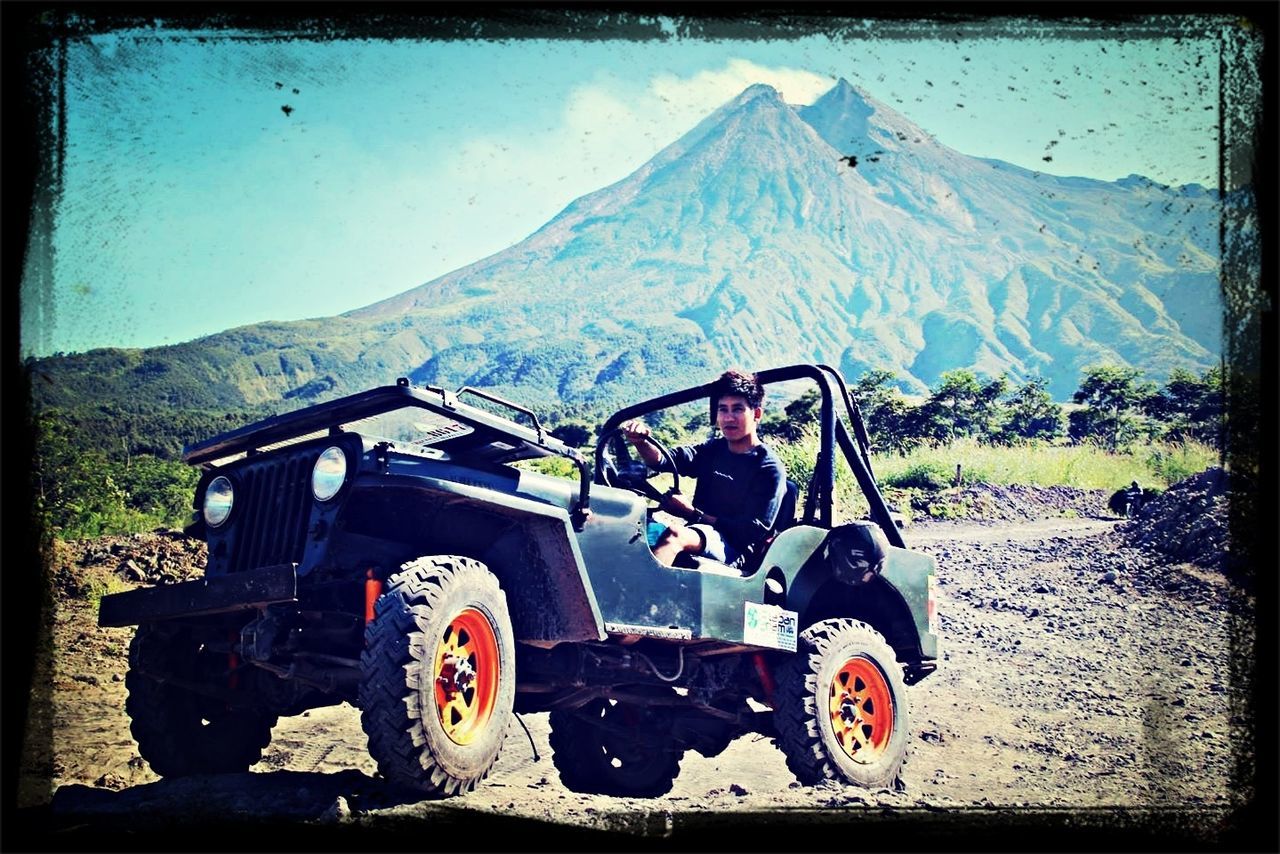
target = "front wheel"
x: 181, y: 731
x: 438, y: 681
x: 841, y: 707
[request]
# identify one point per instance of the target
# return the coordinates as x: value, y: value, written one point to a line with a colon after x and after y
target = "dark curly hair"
x: 740, y: 383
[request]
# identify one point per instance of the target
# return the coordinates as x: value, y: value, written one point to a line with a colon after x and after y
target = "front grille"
x: 271, y: 524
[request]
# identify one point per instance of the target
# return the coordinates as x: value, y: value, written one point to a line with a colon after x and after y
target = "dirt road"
x: 1081, y: 678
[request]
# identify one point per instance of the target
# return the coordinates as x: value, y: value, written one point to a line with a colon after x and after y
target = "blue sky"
x: 192, y: 202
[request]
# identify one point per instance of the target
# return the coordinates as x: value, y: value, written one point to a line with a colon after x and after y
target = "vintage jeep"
x: 381, y: 549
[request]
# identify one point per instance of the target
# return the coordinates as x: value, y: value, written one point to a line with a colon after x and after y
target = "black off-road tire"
x: 594, y: 759
x: 180, y: 732
x: 423, y: 614
x: 848, y: 664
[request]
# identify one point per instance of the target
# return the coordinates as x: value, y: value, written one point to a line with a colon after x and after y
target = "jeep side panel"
x: 912, y: 574
x: 723, y: 614
x: 638, y: 595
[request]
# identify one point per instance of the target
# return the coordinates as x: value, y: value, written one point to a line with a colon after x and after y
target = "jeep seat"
x: 786, y: 518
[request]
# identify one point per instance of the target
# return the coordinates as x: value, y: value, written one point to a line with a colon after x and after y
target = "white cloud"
x: 595, y: 105
x: 707, y: 90
x: 612, y: 126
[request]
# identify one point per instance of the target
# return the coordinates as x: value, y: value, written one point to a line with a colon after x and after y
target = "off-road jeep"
x: 382, y: 549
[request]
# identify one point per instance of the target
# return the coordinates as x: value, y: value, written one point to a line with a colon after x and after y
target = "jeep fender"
x: 889, y: 602
x: 529, y: 545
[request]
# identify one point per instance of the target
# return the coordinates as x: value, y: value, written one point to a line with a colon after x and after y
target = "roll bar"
x: 820, y: 497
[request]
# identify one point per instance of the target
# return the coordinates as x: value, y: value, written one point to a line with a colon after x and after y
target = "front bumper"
x: 221, y: 594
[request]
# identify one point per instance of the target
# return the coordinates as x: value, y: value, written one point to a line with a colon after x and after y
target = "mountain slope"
x: 753, y: 240
x: 918, y: 260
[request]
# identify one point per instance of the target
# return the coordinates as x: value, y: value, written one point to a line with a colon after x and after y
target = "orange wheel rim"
x: 465, y: 675
x: 861, y: 708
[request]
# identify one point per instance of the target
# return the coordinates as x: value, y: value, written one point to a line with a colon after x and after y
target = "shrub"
x: 1174, y: 462
x: 930, y: 476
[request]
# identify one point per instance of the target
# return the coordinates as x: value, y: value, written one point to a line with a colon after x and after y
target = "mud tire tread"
x: 404, y: 737
x: 168, y: 724
x: 797, y: 716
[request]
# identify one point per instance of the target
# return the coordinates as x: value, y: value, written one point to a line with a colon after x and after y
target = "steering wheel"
x: 618, y: 468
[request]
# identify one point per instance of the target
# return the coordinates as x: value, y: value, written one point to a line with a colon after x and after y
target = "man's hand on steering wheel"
x: 652, y: 454
x: 678, y: 504
x: 634, y: 430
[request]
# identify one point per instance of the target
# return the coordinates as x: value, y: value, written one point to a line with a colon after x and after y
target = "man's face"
x: 736, y: 418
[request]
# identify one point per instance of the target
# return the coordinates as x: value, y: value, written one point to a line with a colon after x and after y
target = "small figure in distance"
x: 1132, y: 500
x: 741, y: 482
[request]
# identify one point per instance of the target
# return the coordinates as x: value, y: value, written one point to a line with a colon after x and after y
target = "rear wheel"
x: 438, y: 681
x: 180, y: 731
x: 842, y: 710
x: 612, y: 748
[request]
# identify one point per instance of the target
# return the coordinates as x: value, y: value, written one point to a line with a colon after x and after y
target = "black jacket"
x: 743, y: 491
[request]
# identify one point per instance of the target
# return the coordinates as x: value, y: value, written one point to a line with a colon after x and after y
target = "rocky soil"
x: 1189, y: 523
x: 992, y: 504
x: 1096, y: 673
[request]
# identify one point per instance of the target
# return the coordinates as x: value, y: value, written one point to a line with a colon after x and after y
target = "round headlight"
x: 218, y: 497
x: 329, y: 474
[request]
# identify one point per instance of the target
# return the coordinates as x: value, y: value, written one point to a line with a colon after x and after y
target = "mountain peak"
x: 845, y: 92
x: 757, y: 90
x: 840, y: 116
x: 847, y: 115
x: 756, y: 95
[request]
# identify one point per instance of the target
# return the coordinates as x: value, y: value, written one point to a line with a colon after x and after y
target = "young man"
x: 741, y: 482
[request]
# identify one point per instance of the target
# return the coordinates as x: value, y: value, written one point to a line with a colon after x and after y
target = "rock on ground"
x: 90, y: 567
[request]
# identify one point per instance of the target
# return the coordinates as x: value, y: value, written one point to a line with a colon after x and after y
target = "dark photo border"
x: 31, y: 181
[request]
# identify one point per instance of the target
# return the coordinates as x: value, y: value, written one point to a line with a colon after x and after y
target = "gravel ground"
x: 1092, y: 681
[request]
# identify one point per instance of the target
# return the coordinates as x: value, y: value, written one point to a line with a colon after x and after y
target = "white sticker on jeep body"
x: 771, y: 626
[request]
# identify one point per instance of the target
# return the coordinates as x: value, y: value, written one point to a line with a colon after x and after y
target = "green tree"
x: 961, y: 405
x: 874, y: 391
x: 1189, y: 406
x: 797, y: 416
x: 989, y: 412
x: 1031, y: 414
x: 1111, y: 395
x: 887, y: 413
x: 158, y: 489
x: 894, y: 426
x: 80, y: 492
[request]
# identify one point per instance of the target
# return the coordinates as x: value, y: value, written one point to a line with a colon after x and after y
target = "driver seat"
x: 750, y: 562
x: 786, y: 510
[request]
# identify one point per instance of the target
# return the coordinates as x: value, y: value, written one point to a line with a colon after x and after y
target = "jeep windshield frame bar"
x: 820, y: 497
x: 515, y: 407
x: 521, y: 441
x: 524, y: 443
